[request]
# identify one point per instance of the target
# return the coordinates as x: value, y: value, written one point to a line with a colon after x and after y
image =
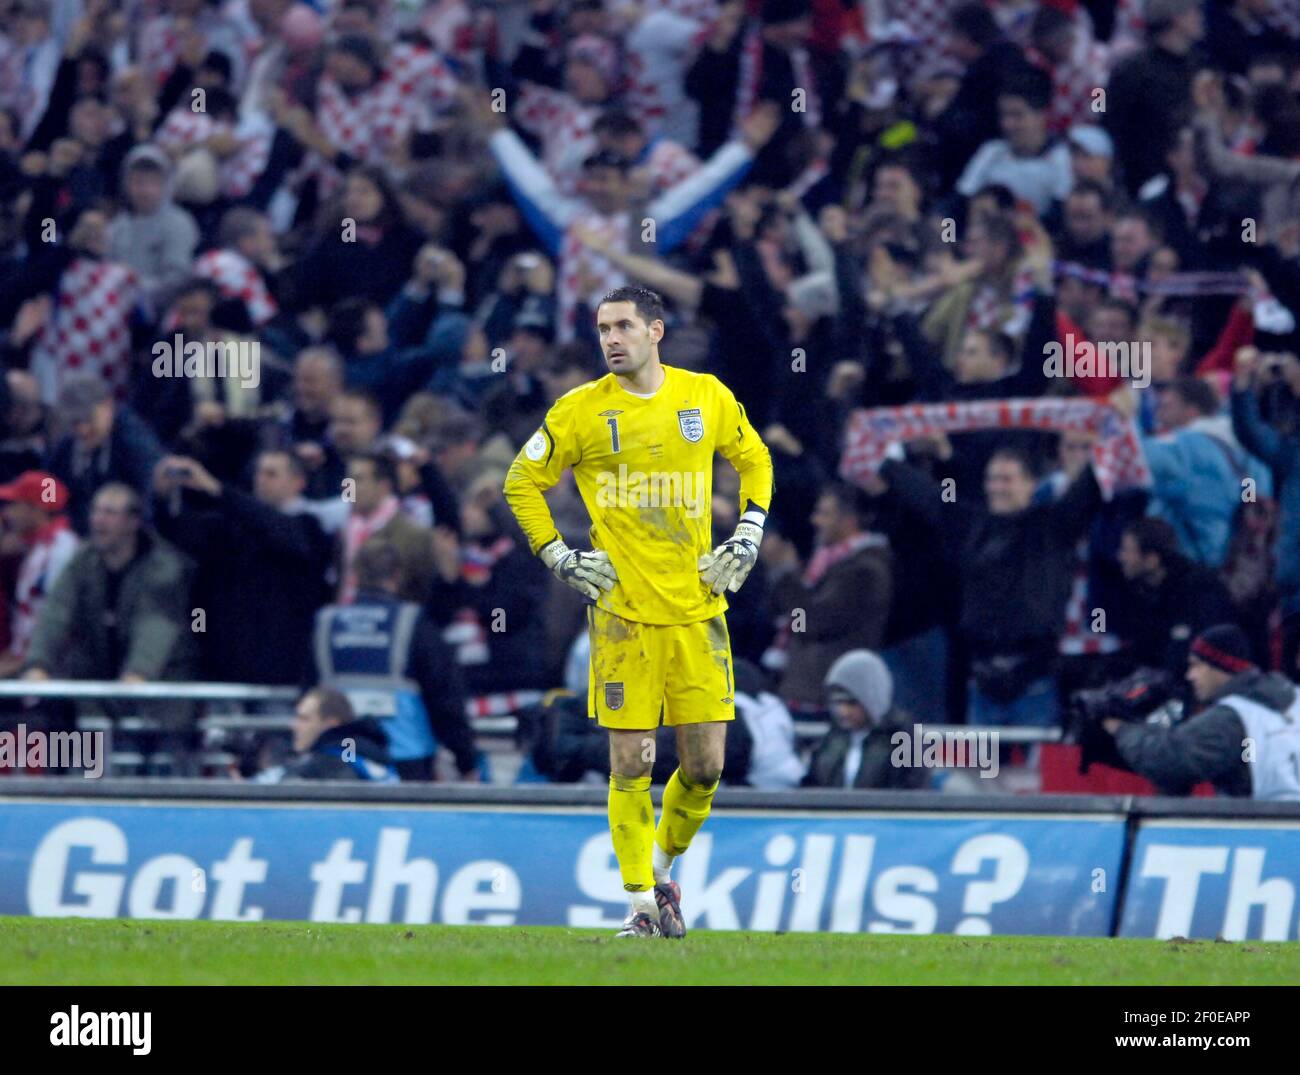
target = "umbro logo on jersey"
x: 691, y: 424
x: 609, y: 414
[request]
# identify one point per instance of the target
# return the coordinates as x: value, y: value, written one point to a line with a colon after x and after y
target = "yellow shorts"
x: 640, y: 671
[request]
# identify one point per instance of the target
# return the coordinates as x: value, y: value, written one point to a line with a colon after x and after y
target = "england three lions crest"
x: 691, y: 423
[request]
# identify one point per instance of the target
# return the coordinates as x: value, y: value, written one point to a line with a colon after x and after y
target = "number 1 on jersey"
x: 613, y: 432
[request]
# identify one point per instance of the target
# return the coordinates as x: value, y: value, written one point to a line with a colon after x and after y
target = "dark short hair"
x: 220, y: 63
x: 1197, y: 394
x: 1018, y: 456
x: 347, y: 322
x: 618, y: 123
x: 975, y: 22
x: 134, y: 502
x: 1003, y: 196
x: 575, y: 355
x: 383, y: 468
x: 1154, y: 535
x: 1103, y: 193
x: 296, y: 465
x: 1153, y: 225
x: 1032, y: 85
x: 195, y: 284
x: 238, y: 224
x: 605, y: 158
x: 649, y: 306
x: 377, y: 562
x: 1110, y: 302
x: 853, y: 500
x: 1001, y: 228
x: 1046, y: 23
x: 370, y: 400
x: 332, y: 705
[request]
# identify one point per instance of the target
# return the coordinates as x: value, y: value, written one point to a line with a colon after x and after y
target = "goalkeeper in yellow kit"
x: 641, y: 442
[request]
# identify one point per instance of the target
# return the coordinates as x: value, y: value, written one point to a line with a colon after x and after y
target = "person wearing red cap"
x: 1245, y: 739
x: 35, y: 528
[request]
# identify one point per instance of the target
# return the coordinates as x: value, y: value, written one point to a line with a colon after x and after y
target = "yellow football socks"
x: 632, y: 826
x: 684, y: 810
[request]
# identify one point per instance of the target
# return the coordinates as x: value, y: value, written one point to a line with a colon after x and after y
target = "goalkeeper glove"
x: 587, y: 571
x: 727, y: 566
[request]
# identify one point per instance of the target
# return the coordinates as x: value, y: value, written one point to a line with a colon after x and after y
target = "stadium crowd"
x: 396, y: 220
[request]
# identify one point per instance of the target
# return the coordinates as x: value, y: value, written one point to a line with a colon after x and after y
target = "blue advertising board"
x: 1235, y: 879
x: 861, y: 872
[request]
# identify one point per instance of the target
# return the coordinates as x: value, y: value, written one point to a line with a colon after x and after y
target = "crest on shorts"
x: 614, y: 695
x: 691, y: 424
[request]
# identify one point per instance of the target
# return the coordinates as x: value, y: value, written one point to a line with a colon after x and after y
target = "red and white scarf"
x: 477, y: 561
x: 356, y: 532
x: 1117, y: 458
x: 237, y: 278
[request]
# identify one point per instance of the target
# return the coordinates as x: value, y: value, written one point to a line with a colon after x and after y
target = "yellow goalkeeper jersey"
x: 644, y: 468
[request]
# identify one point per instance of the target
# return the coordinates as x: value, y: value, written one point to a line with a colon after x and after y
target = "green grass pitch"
x: 71, y: 951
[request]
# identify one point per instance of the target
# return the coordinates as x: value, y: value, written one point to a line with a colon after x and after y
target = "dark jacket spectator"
x: 108, y: 443
x: 840, y: 601
x: 261, y: 560
x: 492, y: 598
x: 1169, y: 600
x: 1015, y: 560
x: 1149, y: 95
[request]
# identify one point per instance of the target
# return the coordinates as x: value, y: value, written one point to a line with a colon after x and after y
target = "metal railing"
x: 495, y: 730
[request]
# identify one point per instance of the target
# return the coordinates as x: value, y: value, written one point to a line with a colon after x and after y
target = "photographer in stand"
x: 1245, y: 739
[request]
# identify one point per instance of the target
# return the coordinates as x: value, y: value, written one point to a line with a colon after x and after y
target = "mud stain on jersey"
x: 669, y: 527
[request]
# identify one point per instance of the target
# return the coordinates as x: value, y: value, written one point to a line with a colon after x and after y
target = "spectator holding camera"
x: 276, y: 578
x: 1245, y: 739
